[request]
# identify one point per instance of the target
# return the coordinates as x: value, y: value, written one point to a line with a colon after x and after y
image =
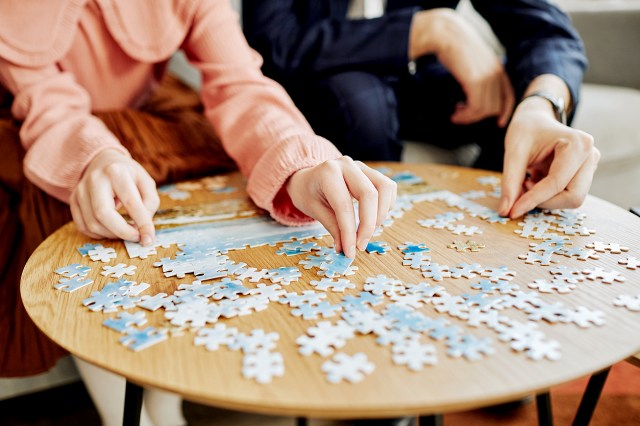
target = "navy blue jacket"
x: 309, y: 38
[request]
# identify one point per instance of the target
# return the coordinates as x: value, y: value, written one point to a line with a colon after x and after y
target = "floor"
x: 70, y: 405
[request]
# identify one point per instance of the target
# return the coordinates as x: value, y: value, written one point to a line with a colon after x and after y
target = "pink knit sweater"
x: 65, y: 59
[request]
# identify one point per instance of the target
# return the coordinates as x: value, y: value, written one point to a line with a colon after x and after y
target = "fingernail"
x: 362, y: 245
x: 351, y: 251
x: 146, y: 240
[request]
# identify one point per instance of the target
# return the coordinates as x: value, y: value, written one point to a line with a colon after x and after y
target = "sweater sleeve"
x: 539, y: 39
x: 58, y: 132
x: 255, y: 119
x: 295, y: 40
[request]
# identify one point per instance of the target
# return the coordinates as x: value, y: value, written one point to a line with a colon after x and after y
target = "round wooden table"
x: 452, y: 384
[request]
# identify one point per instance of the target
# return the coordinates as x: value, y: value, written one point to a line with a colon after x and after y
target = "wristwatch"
x: 559, y: 108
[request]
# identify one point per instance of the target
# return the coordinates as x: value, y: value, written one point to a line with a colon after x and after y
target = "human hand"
x: 325, y: 193
x: 471, y: 61
x: 546, y: 163
x: 110, y: 181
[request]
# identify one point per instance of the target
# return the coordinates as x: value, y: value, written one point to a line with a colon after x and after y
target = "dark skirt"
x: 172, y: 140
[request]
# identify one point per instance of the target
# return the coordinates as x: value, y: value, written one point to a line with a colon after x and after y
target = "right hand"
x: 112, y: 180
x: 471, y: 61
x: 324, y: 192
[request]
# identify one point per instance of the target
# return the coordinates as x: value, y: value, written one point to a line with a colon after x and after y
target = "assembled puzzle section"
x: 456, y: 304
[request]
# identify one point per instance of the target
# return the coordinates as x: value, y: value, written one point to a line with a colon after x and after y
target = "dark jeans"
x: 367, y: 116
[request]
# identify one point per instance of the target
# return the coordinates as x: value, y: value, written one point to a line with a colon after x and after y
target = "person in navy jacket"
x: 370, y: 73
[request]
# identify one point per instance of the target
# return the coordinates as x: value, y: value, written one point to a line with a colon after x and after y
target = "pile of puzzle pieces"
x: 388, y: 309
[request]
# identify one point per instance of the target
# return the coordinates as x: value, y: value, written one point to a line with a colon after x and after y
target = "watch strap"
x: 558, y: 105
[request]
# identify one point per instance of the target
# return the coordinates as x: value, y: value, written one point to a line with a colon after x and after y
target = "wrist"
x: 536, y: 105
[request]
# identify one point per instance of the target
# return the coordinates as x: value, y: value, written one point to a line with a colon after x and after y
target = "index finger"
x: 127, y: 192
x: 563, y: 168
x: 516, y: 161
x: 366, y: 193
x: 104, y: 208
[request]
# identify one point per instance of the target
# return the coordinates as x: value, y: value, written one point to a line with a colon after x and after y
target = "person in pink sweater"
x: 66, y: 60
x: 79, y: 56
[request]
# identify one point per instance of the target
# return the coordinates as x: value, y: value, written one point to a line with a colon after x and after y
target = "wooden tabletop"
x: 391, y: 390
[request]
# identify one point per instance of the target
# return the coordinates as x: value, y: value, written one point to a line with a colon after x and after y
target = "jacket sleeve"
x: 539, y: 39
x: 292, y: 43
x: 257, y: 122
x: 58, y: 132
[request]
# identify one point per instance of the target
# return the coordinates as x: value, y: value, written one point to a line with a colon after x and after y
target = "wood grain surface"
x: 453, y: 384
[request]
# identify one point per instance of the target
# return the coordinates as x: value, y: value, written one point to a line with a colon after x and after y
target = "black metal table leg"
x: 433, y: 420
x: 590, y: 398
x: 132, y: 405
x: 543, y: 402
x: 301, y: 421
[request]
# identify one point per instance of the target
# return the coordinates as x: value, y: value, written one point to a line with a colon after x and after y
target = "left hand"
x: 546, y: 163
x: 324, y: 192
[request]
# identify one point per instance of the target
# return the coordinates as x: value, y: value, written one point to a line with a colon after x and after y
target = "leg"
x: 301, y: 421
x: 426, y: 101
x: 543, y: 402
x: 354, y: 110
x: 117, y: 400
x: 26, y: 350
x: 590, y: 398
x: 432, y: 420
x: 132, y: 405
x: 163, y: 408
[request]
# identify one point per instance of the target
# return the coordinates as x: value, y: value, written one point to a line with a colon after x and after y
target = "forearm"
x: 257, y: 122
x: 58, y: 132
x: 539, y: 39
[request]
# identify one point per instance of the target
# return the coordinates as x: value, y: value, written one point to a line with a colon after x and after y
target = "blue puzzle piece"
x: 360, y: 301
x: 125, y: 320
x: 84, y: 250
x: 337, y: 264
x: 379, y: 247
x: 72, y: 270
x: 409, y: 247
x: 408, y: 178
x: 137, y: 340
x: 225, y: 190
x: 296, y: 247
x: 72, y: 284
